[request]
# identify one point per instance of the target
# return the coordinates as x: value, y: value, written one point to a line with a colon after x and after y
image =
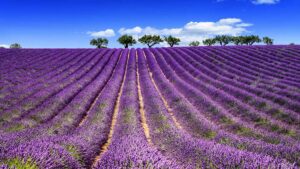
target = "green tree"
x: 172, y: 40
x: 150, y: 40
x: 194, y: 43
x: 99, y: 42
x: 209, y: 42
x: 223, y: 40
x: 268, y: 40
x: 15, y: 45
x: 250, y: 40
x: 237, y: 40
x: 127, y: 40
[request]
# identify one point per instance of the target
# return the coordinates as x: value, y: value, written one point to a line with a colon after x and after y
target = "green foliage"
x: 150, y: 40
x: 210, y: 134
x: 127, y: 40
x: 128, y: 116
x: 99, y: 42
x: 20, y: 164
x: 241, y: 130
x: 223, y: 40
x: 209, y: 42
x: 261, y: 121
x: 237, y: 40
x: 194, y: 43
x: 250, y: 40
x: 15, y: 46
x: 15, y: 127
x: 225, y: 140
x: 73, y: 151
x: 172, y: 40
x: 226, y: 120
x: 291, y: 133
x: 267, y: 40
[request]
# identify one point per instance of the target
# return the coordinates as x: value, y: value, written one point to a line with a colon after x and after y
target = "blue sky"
x: 72, y: 23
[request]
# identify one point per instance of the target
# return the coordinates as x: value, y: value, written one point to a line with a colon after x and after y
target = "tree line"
x: 151, y: 40
x: 128, y: 40
x: 224, y: 40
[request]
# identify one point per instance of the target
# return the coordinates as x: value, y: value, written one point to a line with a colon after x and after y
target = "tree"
x: 268, y: 40
x: 127, y: 40
x: 15, y: 46
x: 238, y: 40
x: 150, y: 40
x: 99, y: 42
x: 172, y: 40
x: 209, y: 42
x: 250, y: 40
x: 194, y: 43
x: 223, y: 40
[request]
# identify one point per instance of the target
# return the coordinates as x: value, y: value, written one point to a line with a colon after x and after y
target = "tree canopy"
x: 237, y: 40
x: 150, y: 40
x: 268, y: 41
x: 15, y: 46
x: 194, y: 43
x: 250, y: 40
x: 127, y: 40
x: 172, y: 40
x: 99, y: 42
x: 209, y: 42
x: 223, y: 40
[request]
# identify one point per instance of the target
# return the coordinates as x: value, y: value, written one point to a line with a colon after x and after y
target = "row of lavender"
x: 205, y: 107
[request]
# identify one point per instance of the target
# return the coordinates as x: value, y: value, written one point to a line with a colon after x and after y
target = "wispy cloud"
x: 189, y: 32
x: 104, y: 33
x: 192, y: 31
x: 258, y: 2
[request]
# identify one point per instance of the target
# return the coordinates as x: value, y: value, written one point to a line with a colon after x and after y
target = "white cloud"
x: 105, y: 33
x: 257, y: 2
x: 265, y: 1
x: 192, y: 31
x: 229, y: 21
x: 4, y: 46
x: 134, y: 30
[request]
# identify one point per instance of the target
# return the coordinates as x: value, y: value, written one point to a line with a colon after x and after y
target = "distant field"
x: 185, y: 107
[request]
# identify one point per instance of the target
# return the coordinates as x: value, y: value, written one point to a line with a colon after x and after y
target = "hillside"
x: 183, y: 107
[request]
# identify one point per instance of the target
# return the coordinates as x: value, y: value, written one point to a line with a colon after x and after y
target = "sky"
x: 73, y: 23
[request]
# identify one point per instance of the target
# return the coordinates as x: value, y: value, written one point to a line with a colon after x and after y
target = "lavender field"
x: 183, y: 107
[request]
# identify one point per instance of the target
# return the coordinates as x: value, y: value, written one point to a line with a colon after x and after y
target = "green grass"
x: 226, y: 120
x: 73, y: 151
x: 15, y: 127
x: 21, y: 164
x: 128, y: 116
x: 210, y: 134
x: 261, y: 121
